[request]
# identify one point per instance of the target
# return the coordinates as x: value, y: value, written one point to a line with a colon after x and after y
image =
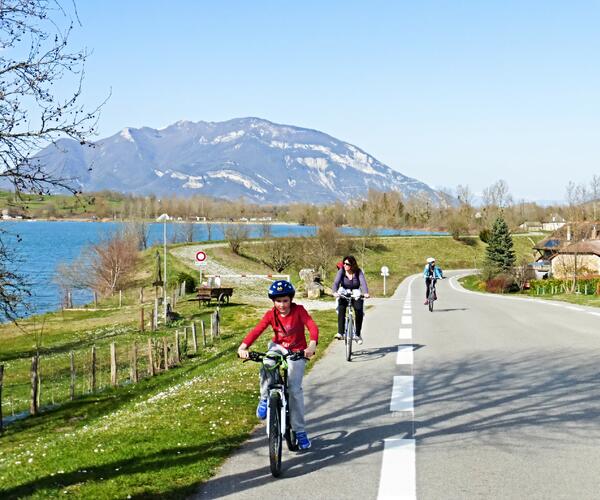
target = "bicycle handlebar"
x: 258, y: 356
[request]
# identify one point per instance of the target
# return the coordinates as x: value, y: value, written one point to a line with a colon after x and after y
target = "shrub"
x: 503, y: 283
x: 484, y: 235
x: 190, y: 281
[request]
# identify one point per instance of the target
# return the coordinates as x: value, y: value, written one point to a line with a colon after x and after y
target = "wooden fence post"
x: 218, y: 318
x: 93, y: 381
x: 150, y: 359
x: 166, y: 352
x: 134, y: 356
x: 203, y: 332
x: 212, y: 328
x: 141, y: 295
x: 1, y: 381
x: 194, y: 339
x: 33, y: 407
x: 113, y: 364
x: 142, y: 319
x: 176, y: 353
x: 72, y: 386
x: 95, y: 300
x: 155, y: 316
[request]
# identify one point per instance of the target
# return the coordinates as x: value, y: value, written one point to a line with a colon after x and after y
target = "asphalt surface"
x: 506, y: 405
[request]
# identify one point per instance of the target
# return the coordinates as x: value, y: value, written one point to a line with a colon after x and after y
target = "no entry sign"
x: 201, y: 258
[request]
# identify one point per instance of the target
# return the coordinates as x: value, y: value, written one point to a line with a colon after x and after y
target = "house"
x: 555, y: 222
x: 6, y: 214
x: 582, y: 257
x: 566, y: 235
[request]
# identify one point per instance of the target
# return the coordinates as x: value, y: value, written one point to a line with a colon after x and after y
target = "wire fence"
x: 29, y: 385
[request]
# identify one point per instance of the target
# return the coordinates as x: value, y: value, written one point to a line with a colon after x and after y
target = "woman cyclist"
x: 350, y: 277
x: 288, y: 321
x: 430, y: 273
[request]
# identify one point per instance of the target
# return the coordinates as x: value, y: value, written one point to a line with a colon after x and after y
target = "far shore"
x: 150, y: 221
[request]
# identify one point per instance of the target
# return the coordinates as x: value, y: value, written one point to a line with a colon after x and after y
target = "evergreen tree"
x: 500, y: 254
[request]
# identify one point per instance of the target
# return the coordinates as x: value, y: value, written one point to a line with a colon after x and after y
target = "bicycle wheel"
x: 275, y: 434
x: 290, y: 435
x: 431, y: 299
x: 349, y: 337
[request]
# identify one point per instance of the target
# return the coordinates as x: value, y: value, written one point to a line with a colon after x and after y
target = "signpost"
x: 385, y: 272
x: 201, y: 262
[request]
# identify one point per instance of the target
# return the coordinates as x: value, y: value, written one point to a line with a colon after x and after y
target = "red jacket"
x: 291, y: 336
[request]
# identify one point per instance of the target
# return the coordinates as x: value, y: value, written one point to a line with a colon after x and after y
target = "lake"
x: 46, y: 244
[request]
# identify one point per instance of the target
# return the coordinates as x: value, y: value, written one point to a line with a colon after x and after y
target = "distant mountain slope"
x: 250, y: 157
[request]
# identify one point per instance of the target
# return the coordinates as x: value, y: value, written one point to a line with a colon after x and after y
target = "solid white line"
x: 405, y: 333
x: 574, y: 308
x: 406, y: 320
x: 402, y: 393
x: 398, y: 470
x: 405, y: 355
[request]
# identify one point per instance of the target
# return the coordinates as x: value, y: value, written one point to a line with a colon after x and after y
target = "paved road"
x: 506, y: 405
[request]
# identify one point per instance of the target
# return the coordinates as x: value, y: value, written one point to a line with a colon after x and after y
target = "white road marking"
x: 402, y: 393
x: 405, y: 355
x: 405, y: 333
x: 398, y: 471
x: 573, y: 308
x: 406, y: 320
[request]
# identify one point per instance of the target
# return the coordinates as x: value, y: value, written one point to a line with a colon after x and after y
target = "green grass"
x: 160, y: 437
x: 474, y: 283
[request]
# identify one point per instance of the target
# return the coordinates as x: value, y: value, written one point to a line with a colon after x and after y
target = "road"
x: 486, y: 397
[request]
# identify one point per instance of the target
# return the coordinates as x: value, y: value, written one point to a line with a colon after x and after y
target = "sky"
x: 448, y: 92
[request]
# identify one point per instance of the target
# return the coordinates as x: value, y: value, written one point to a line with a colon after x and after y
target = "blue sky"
x: 450, y: 92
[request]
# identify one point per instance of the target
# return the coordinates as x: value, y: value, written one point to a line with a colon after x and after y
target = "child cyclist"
x: 288, y: 321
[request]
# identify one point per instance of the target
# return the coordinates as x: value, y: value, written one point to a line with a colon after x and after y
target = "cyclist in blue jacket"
x: 430, y: 273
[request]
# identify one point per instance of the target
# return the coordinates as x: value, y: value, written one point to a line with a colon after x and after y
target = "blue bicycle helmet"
x: 281, y: 288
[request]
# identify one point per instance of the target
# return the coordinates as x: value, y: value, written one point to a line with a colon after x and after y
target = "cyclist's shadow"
x: 363, y: 355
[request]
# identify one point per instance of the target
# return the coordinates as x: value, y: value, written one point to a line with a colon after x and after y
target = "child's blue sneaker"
x: 303, y: 441
x: 261, y: 409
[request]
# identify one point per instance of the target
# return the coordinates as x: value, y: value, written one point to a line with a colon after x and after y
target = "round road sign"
x: 200, y: 256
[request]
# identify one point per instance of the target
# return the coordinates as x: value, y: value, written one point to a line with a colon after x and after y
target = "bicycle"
x: 350, y: 323
x: 278, y: 411
x: 432, y: 295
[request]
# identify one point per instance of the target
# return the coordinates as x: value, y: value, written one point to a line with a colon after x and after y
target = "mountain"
x: 246, y: 157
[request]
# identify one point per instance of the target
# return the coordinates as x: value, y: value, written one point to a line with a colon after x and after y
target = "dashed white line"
x: 406, y: 320
x: 402, y: 393
x: 405, y: 355
x: 405, y: 333
x: 398, y: 459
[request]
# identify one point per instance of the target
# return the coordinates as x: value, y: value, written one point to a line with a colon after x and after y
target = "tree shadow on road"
x: 507, y: 400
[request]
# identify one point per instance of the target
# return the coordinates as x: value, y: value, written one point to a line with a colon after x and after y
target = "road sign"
x: 385, y: 271
x: 201, y: 256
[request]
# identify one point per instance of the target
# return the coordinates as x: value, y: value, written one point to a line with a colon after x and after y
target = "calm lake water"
x: 45, y: 244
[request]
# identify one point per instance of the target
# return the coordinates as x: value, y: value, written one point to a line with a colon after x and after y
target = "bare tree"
x: 106, y: 266
x: 595, y: 195
x: 14, y: 289
x: 280, y: 254
x: 189, y: 232
x: 34, y: 56
x: 236, y: 234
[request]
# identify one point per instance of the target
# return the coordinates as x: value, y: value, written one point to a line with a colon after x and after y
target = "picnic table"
x: 204, y: 294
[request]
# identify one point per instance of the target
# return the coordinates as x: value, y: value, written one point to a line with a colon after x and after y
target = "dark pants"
x: 358, y: 309
x: 428, y: 282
